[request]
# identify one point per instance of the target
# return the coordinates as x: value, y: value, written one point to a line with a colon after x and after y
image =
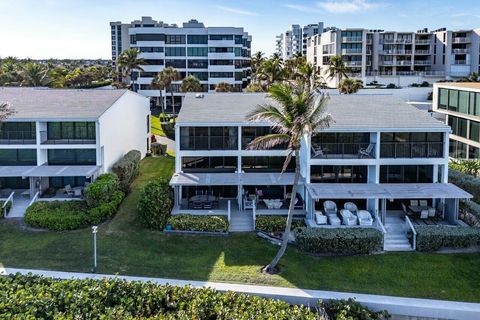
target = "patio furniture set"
x: 322, y: 152
x: 420, y: 209
x: 349, y: 215
x: 73, y: 192
x: 202, y: 201
x: 273, y: 198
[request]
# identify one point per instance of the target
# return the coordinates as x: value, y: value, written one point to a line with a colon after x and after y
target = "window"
x: 174, y: 51
x: 221, y: 74
x: 153, y: 62
x: 458, y: 149
x: 148, y: 37
x: 463, y: 102
x: 220, y: 49
x: 209, y: 164
x: 208, y: 138
x: 473, y: 152
x: 338, y: 174
x: 18, y: 157
x: 150, y: 49
x: 61, y: 182
x: 238, y: 52
x: 18, y: 131
x: 239, y: 39
x: 197, y: 52
x: 453, y: 100
x: 406, y: 174
x: 174, y: 39
x: 202, y: 76
x: 411, y: 145
x: 176, y: 63
x: 72, y: 157
x: 197, y: 39
x: 221, y: 37
x: 474, y: 131
x: 71, y: 131
x: 198, y: 64
x: 458, y: 125
x: 221, y: 62
x: 266, y: 164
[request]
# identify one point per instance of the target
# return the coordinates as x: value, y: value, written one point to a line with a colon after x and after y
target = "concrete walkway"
x: 439, y: 309
x: 169, y: 142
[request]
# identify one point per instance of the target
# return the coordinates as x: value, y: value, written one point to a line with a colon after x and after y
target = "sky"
x: 73, y: 29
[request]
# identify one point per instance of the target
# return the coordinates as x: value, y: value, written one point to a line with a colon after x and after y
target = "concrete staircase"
x: 396, y: 237
x: 20, y: 204
x: 241, y: 221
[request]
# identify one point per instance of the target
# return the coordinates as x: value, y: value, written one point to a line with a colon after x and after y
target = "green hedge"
x: 158, y: 149
x: 155, y: 204
x: 127, y: 169
x: 274, y: 224
x: 339, y: 240
x: 105, y: 210
x: 188, y: 222
x: 351, y: 310
x: 432, y: 238
x: 57, y: 215
x: 102, y: 190
x: 33, y: 297
x: 467, y: 182
x: 8, y: 207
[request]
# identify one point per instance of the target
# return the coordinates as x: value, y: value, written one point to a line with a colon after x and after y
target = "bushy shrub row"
x: 127, y: 169
x: 467, y: 182
x: 470, y: 212
x: 102, y: 190
x: 158, y: 149
x: 351, y: 310
x: 339, y: 240
x: 155, y: 204
x: 32, y: 297
x: 432, y: 238
x: 274, y: 224
x: 189, y: 222
x: 105, y: 210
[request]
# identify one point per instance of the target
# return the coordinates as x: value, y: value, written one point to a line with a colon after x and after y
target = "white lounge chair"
x: 432, y: 212
x: 366, y: 152
x: 330, y: 207
x: 364, y: 218
x: 69, y: 191
x: 423, y: 203
x: 350, y: 206
x: 320, y: 218
x: 334, y: 220
x: 424, y: 214
x: 348, y: 218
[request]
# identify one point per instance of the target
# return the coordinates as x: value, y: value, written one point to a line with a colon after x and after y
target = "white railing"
x: 382, y: 228
x: 5, y: 205
x: 35, y: 198
x: 228, y: 211
x: 254, y: 213
x: 409, y: 225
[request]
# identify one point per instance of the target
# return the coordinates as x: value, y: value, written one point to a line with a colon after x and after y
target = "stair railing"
x: 409, y: 225
x: 5, y: 204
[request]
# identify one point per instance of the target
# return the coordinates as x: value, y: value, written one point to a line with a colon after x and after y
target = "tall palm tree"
x: 164, y: 80
x: 191, y: 84
x: 34, y: 75
x: 307, y: 74
x: 257, y: 60
x: 337, y: 68
x: 272, y: 71
x: 297, y: 111
x: 223, y: 87
x: 128, y: 61
x: 349, y: 86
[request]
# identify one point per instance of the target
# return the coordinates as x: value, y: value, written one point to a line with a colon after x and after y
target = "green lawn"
x: 124, y: 247
x: 156, y: 127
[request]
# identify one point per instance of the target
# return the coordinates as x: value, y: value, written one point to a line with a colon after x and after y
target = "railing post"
x: 254, y: 214
x: 228, y: 206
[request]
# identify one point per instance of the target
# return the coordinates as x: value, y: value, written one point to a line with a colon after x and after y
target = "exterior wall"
x: 123, y: 127
x: 294, y: 41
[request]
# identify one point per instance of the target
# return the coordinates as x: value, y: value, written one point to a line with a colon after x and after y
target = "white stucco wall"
x: 123, y: 127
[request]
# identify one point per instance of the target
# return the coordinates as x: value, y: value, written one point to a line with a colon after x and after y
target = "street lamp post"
x: 94, y: 233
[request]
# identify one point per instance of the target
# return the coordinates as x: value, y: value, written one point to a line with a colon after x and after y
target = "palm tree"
x: 297, y: 111
x: 128, y: 61
x: 349, y: 86
x: 307, y: 74
x: 223, y: 87
x: 257, y: 60
x: 337, y: 68
x: 5, y: 111
x: 254, y: 87
x: 272, y: 71
x: 34, y: 75
x: 191, y: 84
x: 164, y: 80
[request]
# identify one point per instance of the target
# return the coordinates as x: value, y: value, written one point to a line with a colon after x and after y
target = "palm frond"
x: 268, y: 141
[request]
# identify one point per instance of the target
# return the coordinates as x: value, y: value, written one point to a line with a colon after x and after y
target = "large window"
x: 18, y: 157
x: 459, y: 101
x: 147, y: 37
x: 474, y: 131
x: 406, y: 174
x: 151, y: 49
x: 61, y: 182
x: 209, y: 164
x: 19, y: 131
x: 338, y: 174
x: 197, y: 39
x: 221, y: 37
x: 250, y: 133
x: 220, y: 49
x: 71, y: 131
x: 72, y: 157
x: 175, y: 51
x: 198, y: 64
x: 197, y: 51
x: 443, y: 98
x: 174, y: 39
x: 459, y: 126
x: 14, y: 183
x: 176, y: 63
x: 458, y: 149
x: 411, y: 145
x: 221, y: 74
x: 266, y: 164
x: 222, y: 62
x: 208, y: 138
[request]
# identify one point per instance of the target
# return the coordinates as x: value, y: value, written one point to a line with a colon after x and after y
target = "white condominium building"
x: 401, y: 58
x: 294, y: 40
x: 212, y: 54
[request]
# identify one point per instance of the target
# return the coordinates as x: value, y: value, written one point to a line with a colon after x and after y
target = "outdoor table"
x: 418, y: 209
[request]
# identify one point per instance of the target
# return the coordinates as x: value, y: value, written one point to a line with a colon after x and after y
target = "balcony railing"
x: 422, y: 51
x: 208, y: 143
x: 343, y: 151
x: 456, y: 51
x: 351, y: 39
x: 422, y: 62
x: 351, y: 51
x: 18, y: 137
x: 353, y: 63
x: 422, y: 41
x: 461, y: 39
x: 462, y: 62
x: 46, y: 140
x: 411, y: 150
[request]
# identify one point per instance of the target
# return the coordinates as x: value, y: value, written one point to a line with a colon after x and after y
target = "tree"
x: 337, y: 68
x: 272, y: 71
x: 349, y: 86
x: 164, y: 80
x: 473, y: 77
x: 191, y: 84
x: 223, y: 87
x: 128, y: 61
x: 5, y: 111
x: 257, y: 59
x: 307, y: 74
x: 34, y: 75
x: 297, y: 111
x: 254, y: 87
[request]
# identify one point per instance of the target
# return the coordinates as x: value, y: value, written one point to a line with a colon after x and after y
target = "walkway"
x: 20, y: 204
x: 396, y: 238
x: 395, y: 305
x: 169, y: 142
x: 241, y: 221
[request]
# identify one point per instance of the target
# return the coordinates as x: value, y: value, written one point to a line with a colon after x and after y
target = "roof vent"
x: 199, y: 95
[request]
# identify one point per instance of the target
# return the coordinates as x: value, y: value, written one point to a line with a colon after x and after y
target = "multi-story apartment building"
x: 401, y: 58
x: 212, y: 54
x: 460, y: 103
x: 294, y: 41
x: 367, y: 156
x: 65, y: 137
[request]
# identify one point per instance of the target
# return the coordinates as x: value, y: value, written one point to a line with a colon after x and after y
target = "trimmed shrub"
x: 351, y: 309
x: 391, y: 86
x: 339, y: 240
x: 275, y: 224
x: 469, y: 183
x: 432, y: 238
x: 33, y: 297
x: 127, y: 169
x: 102, y: 190
x: 57, y: 215
x: 155, y: 204
x: 158, y: 149
x: 169, y: 128
x: 189, y: 222
x: 105, y: 210
x: 8, y: 207
x: 470, y: 212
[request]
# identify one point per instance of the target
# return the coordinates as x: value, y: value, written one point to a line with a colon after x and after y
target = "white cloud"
x: 237, y: 11
x: 347, y: 6
x: 298, y: 7
x: 466, y: 15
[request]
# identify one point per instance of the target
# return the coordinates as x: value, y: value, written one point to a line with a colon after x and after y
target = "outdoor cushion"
x: 364, y: 218
x: 348, y: 218
x: 320, y: 218
x: 350, y: 206
x: 330, y: 207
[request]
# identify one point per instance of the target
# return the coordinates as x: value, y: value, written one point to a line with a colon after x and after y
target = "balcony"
x: 351, y: 39
x: 352, y: 51
x: 396, y: 52
x: 411, y: 150
x: 343, y: 151
x: 403, y: 63
x: 55, y: 141
x: 18, y: 137
x: 353, y: 63
x: 422, y: 41
x: 422, y: 51
x: 460, y: 62
x: 461, y: 40
x: 422, y: 62
x: 460, y: 51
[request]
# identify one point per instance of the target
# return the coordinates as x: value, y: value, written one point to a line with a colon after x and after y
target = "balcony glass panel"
x: 338, y: 174
x: 72, y: 157
x: 18, y: 157
x: 17, y: 133
x: 209, y: 164
x: 266, y: 164
x: 251, y: 133
x: 342, y: 145
x: 208, y: 138
x: 411, y: 145
x: 69, y: 133
x: 406, y: 174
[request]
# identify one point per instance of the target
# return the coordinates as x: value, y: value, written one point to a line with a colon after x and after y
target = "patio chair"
x: 330, y: 207
x: 405, y: 210
x: 333, y: 219
x: 414, y: 203
x: 350, y: 206
x: 424, y: 214
x: 207, y: 205
x: 320, y: 218
x: 69, y: 191
x: 197, y: 205
x: 423, y: 203
x: 366, y: 152
x: 432, y: 212
x: 317, y: 151
x: 348, y: 218
x: 364, y: 218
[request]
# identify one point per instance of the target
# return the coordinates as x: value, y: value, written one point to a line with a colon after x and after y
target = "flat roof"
x: 349, y: 111
x: 466, y: 85
x: 48, y: 171
x: 42, y: 103
x: 232, y: 179
x: 386, y: 191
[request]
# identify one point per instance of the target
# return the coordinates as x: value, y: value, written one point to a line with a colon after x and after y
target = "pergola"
x: 48, y: 171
